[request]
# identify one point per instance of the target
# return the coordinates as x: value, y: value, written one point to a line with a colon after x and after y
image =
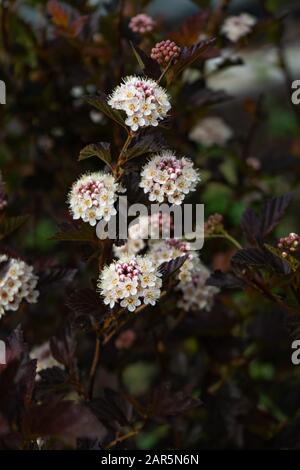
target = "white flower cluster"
x: 44, y: 357
x: 93, y: 196
x: 236, y: 27
x: 196, y: 295
x: 130, y: 281
x: 143, y: 100
x: 17, y: 283
x: 166, y: 177
x: 164, y: 251
x: 211, y: 131
x: 151, y: 227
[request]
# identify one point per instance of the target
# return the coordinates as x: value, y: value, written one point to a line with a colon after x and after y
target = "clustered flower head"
x: 196, y: 295
x: 211, y: 131
x: 164, y: 251
x: 130, y: 281
x: 213, y: 225
x: 166, y: 177
x: 142, y: 23
x: 44, y: 357
x: 93, y: 196
x: 238, y: 26
x: 17, y: 283
x: 3, y: 200
x: 152, y: 226
x: 143, y: 100
x: 289, y: 244
x: 165, y: 51
x: 146, y: 227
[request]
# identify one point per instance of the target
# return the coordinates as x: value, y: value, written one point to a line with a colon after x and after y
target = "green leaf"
x: 100, y: 102
x: 10, y: 224
x: 85, y: 233
x: 100, y: 150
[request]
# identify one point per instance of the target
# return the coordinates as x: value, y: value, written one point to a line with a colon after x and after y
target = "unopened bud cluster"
x: 165, y: 51
x: 213, y: 225
x: 142, y: 23
x: 289, y: 244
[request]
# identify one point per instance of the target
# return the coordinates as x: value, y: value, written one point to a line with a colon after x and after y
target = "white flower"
x: 236, y: 27
x: 168, y: 177
x: 196, y: 295
x: 17, y: 283
x: 44, y: 357
x: 128, y: 281
x: 131, y: 303
x: 211, y: 131
x: 135, y: 121
x: 93, y: 196
x: 151, y: 295
x: 143, y: 100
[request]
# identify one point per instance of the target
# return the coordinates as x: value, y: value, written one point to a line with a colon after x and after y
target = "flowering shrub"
x: 137, y: 340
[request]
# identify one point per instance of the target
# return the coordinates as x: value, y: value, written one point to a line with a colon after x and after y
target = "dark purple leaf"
x: 272, y: 213
x: 100, y: 102
x: 63, y: 347
x: 148, y: 66
x: 224, y: 280
x: 203, y: 50
x: 56, y: 276
x: 259, y: 258
x: 100, y: 150
x: 145, y: 144
x: 64, y: 420
x: 168, y: 403
x: 84, y: 302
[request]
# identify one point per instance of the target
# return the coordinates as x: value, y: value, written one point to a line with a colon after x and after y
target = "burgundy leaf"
x: 63, y: 347
x: 272, y: 213
x: 84, y: 302
x: 167, y: 403
x: 224, y: 280
x: 64, y: 420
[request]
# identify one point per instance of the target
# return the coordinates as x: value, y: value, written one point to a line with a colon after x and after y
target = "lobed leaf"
x: 100, y: 150
x: 9, y: 224
x: 201, y: 51
x: 100, y: 102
